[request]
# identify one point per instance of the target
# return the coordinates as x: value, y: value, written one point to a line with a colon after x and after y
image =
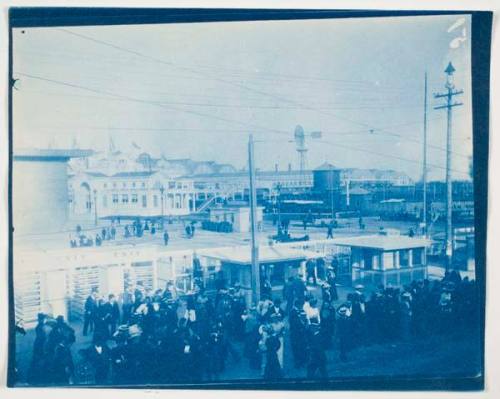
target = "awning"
x: 382, y: 242
x: 242, y: 254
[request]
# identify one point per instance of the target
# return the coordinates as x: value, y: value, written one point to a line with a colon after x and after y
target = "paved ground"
x: 206, y: 239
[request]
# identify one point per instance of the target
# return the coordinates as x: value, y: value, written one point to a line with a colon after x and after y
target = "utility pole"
x: 278, y: 203
x: 424, y: 166
x: 95, y: 207
x: 348, y: 195
x: 162, y: 191
x: 331, y: 193
x: 449, y: 200
x: 253, y: 219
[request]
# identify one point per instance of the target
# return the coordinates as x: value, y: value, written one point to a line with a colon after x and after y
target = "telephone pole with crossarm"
x: 450, y: 104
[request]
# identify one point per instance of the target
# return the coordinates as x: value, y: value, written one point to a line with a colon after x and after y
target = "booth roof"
x: 242, y: 254
x: 382, y: 242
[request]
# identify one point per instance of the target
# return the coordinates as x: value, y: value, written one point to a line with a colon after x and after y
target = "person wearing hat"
x: 275, y: 309
x: 327, y: 330
x: 263, y: 308
x: 63, y: 368
x: 331, y: 279
x: 127, y: 304
x: 375, y: 309
x: 60, y: 333
x: 329, y: 231
x: 358, y: 313
x: 288, y: 294
x: 278, y: 330
x: 299, y: 288
x: 446, y: 308
x: 317, y: 355
x: 98, y: 355
x: 406, y: 317
x: 89, y: 311
x: 266, y: 289
x: 344, y: 330
x: 321, y: 269
x: 272, y: 370
x: 298, y: 321
x: 139, y: 294
x: 172, y: 290
x: 311, y: 271
x: 122, y: 369
x: 101, y: 329
x: 112, y: 311
x: 165, y: 237
x: 252, y: 337
x: 39, y: 359
x: 197, y: 269
x: 216, y: 352
x: 237, y: 310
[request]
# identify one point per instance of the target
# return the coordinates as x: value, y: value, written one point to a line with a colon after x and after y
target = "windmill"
x: 300, y: 142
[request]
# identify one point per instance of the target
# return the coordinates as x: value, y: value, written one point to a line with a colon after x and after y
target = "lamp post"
x: 95, y: 205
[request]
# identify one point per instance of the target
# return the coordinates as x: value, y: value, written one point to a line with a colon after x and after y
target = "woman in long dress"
x: 273, y: 369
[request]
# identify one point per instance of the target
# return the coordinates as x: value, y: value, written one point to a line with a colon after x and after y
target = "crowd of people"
x: 164, y: 336
x: 136, y: 229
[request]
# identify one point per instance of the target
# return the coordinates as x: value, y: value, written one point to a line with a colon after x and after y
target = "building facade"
x: 235, y: 185
x: 94, y: 196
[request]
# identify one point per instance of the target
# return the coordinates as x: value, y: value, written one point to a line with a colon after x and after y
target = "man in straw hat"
x: 344, y: 323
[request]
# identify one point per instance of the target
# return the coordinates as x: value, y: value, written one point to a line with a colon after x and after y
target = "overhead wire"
x: 259, y: 128
x: 237, y: 84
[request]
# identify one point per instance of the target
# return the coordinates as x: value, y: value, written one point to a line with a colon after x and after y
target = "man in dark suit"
x: 344, y: 324
x: 297, y: 322
x: 299, y: 288
x: 311, y: 271
x: 89, y: 314
x: 112, y: 314
x: 197, y: 269
x: 317, y: 355
x: 101, y: 330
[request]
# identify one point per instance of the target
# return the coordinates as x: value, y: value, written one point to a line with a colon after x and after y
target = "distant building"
x: 96, y: 195
x: 327, y: 177
x: 374, y: 176
x: 235, y: 185
x: 134, y: 183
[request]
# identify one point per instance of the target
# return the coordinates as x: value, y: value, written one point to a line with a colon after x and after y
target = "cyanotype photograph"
x: 248, y: 199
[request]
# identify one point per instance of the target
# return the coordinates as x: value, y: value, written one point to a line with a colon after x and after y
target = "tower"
x: 300, y: 142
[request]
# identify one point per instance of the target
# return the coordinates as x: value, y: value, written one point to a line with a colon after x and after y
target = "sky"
x: 198, y: 90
